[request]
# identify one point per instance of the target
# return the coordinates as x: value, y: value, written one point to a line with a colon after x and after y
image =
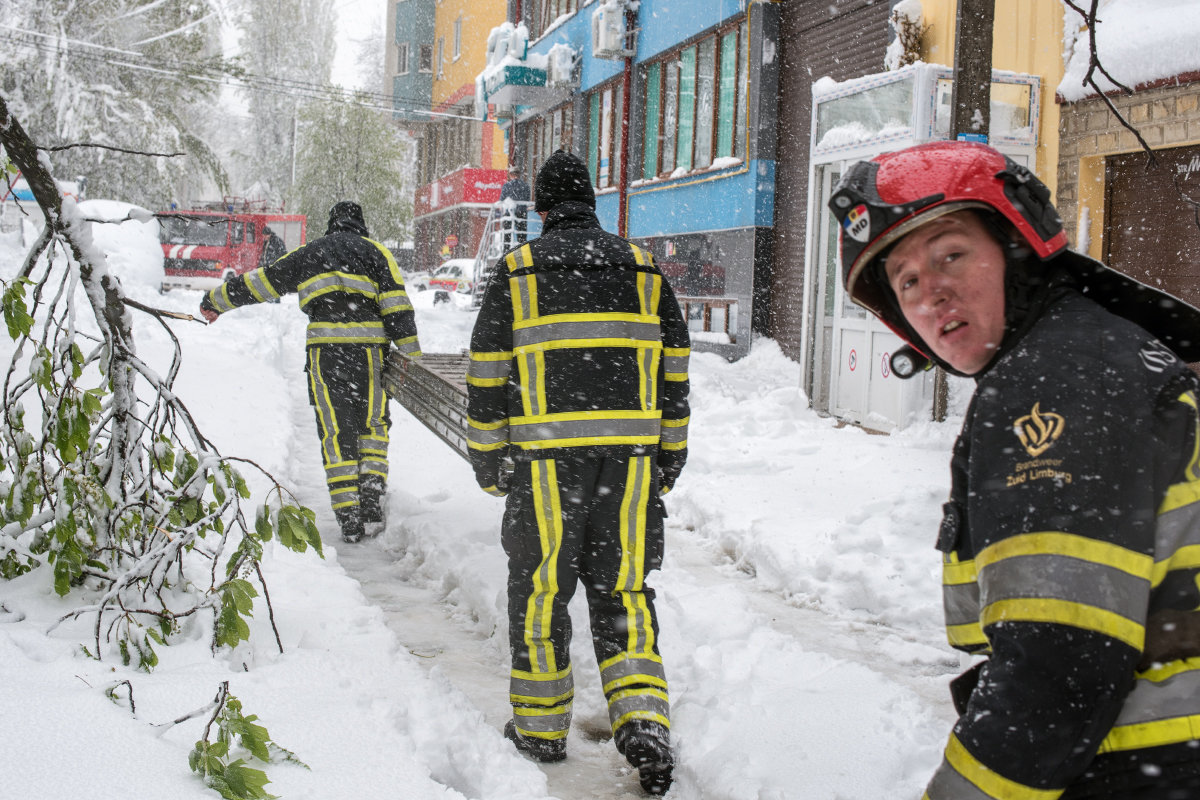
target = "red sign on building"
x: 477, y: 187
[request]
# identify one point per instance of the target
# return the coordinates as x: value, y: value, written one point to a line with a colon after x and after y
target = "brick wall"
x: 1166, y: 116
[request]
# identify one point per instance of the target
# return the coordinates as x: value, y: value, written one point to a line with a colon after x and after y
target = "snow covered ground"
x: 799, y: 601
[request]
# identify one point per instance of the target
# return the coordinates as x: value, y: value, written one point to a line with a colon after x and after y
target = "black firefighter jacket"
x: 580, y: 349
x: 1071, y: 550
x: 349, y: 286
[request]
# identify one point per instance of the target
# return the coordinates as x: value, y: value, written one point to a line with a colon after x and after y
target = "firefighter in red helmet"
x: 1071, y: 540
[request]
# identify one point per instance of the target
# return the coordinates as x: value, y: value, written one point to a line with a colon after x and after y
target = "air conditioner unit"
x: 609, y: 36
x: 560, y: 67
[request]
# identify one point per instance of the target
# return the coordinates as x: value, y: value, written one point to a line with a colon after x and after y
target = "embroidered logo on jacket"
x: 1038, y: 429
x: 1156, y: 356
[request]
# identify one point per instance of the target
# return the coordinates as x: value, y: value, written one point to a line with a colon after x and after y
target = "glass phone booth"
x: 846, y: 369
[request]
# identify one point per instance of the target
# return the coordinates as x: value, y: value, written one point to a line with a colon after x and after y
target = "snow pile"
x: 1137, y: 42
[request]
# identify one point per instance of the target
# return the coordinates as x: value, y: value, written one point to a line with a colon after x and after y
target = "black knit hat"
x: 347, y: 216
x: 563, y: 178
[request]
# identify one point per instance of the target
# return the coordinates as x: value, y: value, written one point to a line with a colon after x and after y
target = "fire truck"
x: 210, y: 243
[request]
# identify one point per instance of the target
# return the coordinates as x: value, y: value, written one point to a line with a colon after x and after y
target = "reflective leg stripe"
x: 540, y: 606
x: 342, y: 479
x: 373, y: 446
x: 636, y: 688
x: 330, y: 452
x: 1162, y: 709
x: 633, y: 555
x: 542, y: 702
x: 963, y: 777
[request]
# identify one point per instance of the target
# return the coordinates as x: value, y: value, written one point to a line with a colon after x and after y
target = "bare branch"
x: 60, y: 147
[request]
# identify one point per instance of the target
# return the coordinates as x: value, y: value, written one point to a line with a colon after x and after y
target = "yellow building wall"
x: 1027, y: 37
x: 457, y: 77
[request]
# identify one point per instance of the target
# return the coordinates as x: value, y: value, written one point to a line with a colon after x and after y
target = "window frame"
x: 458, y: 27
x: 605, y: 158
x: 425, y: 58
x: 402, y: 58
x: 679, y: 118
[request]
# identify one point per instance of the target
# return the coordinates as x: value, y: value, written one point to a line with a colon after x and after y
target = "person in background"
x: 273, y: 247
x: 1071, y: 538
x: 579, y: 372
x: 516, y: 190
x: 353, y: 293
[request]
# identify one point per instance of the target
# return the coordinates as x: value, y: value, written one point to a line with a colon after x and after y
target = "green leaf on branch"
x: 16, y: 313
x: 298, y: 529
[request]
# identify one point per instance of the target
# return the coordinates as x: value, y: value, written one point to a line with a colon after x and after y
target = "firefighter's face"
x: 948, y: 276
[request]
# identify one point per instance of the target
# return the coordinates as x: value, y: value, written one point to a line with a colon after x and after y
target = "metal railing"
x: 510, y: 224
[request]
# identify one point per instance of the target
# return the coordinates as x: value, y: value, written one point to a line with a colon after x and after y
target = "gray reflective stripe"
x: 553, y: 691
x: 521, y: 296
x: 259, y: 286
x: 408, y: 346
x: 648, y: 292
x: 541, y: 650
x: 948, y: 784
x: 675, y: 365
x: 376, y: 397
x: 1176, y: 696
x: 639, y: 701
x: 649, y: 358
x: 487, y: 436
x: 373, y: 465
x: 394, y: 301
x: 332, y: 281
x: 674, y: 434
x: 330, y: 452
x: 522, y: 432
x: 528, y: 721
x: 1177, y: 528
x: 531, y: 379
x: 486, y: 370
x: 1059, y: 577
x: 634, y: 668
x: 961, y: 603
x: 568, y: 330
x: 220, y: 300
x: 347, y: 469
x: 362, y: 332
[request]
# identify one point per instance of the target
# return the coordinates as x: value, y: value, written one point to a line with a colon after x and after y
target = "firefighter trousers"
x: 345, y: 386
x: 598, y: 521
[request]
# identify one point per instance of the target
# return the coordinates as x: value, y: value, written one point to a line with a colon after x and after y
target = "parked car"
x: 416, y: 281
x: 453, y: 277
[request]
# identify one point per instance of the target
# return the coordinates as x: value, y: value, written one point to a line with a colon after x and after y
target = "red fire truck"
x: 206, y: 245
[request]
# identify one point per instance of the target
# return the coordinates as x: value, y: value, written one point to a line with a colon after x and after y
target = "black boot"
x: 351, y: 524
x: 371, y: 495
x: 543, y: 750
x: 646, y: 745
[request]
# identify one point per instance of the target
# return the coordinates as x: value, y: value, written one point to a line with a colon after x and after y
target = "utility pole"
x: 970, y: 106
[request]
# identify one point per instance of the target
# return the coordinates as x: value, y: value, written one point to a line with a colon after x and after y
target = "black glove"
x: 670, y: 464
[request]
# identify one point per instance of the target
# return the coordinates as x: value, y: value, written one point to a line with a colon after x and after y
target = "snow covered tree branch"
x: 114, y: 490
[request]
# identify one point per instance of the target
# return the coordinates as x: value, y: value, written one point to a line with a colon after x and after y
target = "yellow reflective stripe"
x: 621, y: 316
x: 519, y: 259
x: 473, y: 381
x: 1152, y: 734
x: 989, y: 782
x: 569, y: 344
x: 959, y: 572
x: 1068, y: 544
x: 585, y: 416
x: 539, y: 609
x: 1179, y: 495
x: 967, y: 635
x: 1064, y: 612
x: 1186, y: 557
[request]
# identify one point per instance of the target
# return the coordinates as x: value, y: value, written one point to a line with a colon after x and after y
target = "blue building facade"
x: 410, y: 58
x: 673, y: 105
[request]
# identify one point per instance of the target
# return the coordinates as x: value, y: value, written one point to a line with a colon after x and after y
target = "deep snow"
x: 799, y: 603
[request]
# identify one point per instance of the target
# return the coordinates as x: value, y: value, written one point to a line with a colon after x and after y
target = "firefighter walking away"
x: 579, y: 373
x: 353, y: 293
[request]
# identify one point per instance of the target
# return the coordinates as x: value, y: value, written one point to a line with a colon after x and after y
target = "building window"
x: 441, y: 55
x: 692, y: 97
x: 402, y: 58
x: 426, y: 57
x: 604, y: 134
x: 458, y: 37
x: 549, y: 133
x: 546, y: 12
